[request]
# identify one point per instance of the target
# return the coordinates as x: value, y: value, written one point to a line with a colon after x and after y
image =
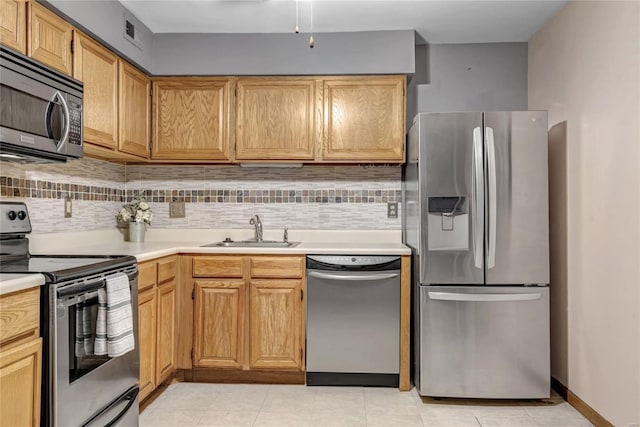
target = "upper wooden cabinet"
x: 97, y: 68
x: 13, y: 24
x: 275, y: 119
x: 133, y: 111
x: 49, y: 38
x: 364, y: 119
x: 192, y: 119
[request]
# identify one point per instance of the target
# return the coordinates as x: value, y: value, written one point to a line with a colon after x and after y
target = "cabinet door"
x: 133, y: 111
x: 166, y: 350
x: 13, y: 24
x: 219, y: 323
x: 20, y: 384
x: 97, y: 68
x: 275, y: 119
x: 191, y: 118
x: 364, y: 119
x: 276, y: 324
x: 147, y: 340
x: 49, y: 38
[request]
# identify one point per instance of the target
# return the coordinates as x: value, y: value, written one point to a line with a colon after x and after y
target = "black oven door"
x: 85, y: 385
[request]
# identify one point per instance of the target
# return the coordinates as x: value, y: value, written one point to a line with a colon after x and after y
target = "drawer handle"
x: 329, y: 276
x: 448, y: 296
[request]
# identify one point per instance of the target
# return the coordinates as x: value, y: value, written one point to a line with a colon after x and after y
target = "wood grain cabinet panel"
x: 20, y: 373
x: 219, y: 323
x: 20, y: 315
x: 274, y: 266
x: 147, y: 319
x: 49, y: 38
x: 13, y: 24
x: 97, y: 68
x: 364, y: 119
x: 276, y: 324
x: 217, y: 266
x: 275, y: 119
x: 134, y: 111
x: 191, y: 118
x: 166, y: 353
x: 147, y: 275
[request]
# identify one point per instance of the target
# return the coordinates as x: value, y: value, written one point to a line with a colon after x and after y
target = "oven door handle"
x: 81, y: 288
x: 98, y: 419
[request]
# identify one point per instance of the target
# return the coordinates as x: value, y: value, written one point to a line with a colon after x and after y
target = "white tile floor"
x: 240, y: 405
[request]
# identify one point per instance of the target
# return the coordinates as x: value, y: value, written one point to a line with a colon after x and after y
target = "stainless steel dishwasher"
x: 353, y: 320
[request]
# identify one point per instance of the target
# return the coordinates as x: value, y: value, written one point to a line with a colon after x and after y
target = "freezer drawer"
x: 484, y: 342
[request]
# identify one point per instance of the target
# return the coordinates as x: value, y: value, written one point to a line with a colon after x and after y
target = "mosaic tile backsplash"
x: 312, y: 197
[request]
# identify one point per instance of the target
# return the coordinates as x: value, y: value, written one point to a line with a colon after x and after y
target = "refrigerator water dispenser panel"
x: 448, y: 223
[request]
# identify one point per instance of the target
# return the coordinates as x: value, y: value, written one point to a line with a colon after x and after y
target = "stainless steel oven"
x: 78, y: 388
x: 89, y: 390
x: 40, y: 111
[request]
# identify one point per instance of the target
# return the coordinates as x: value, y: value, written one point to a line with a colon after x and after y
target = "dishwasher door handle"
x: 330, y: 276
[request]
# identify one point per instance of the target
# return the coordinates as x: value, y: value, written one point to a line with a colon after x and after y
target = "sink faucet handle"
x: 254, y: 219
x: 285, y: 237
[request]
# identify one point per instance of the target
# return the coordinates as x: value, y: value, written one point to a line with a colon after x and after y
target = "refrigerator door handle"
x: 477, y: 199
x: 491, y: 198
x: 450, y: 296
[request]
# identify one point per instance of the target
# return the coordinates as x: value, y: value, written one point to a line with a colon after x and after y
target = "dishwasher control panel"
x: 364, y: 262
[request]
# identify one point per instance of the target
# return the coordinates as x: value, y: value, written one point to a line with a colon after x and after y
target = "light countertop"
x: 161, y: 243
x: 17, y: 282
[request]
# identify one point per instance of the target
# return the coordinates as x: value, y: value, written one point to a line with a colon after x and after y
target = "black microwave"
x: 40, y: 111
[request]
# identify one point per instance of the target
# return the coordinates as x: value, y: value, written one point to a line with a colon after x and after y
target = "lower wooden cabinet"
x: 253, y: 320
x: 276, y: 322
x: 166, y: 351
x: 20, y: 359
x: 219, y: 323
x: 156, y: 322
x: 20, y: 371
x: 147, y: 309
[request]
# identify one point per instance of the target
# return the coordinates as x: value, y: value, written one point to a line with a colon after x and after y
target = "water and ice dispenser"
x: 448, y: 223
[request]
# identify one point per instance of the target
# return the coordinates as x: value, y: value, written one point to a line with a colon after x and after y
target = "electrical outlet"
x: 392, y: 210
x: 176, y: 210
x: 67, y: 207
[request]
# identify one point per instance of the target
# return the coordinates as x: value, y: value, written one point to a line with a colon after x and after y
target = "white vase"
x: 136, y: 231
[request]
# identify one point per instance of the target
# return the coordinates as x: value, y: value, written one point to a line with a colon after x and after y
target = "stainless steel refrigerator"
x: 476, y: 217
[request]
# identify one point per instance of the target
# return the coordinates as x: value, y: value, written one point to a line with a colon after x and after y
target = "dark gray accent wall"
x: 469, y: 77
x: 370, y: 52
x: 105, y: 20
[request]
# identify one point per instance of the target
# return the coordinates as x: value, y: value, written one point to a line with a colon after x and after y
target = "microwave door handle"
x: 67, y: 122
x: 58, y: 98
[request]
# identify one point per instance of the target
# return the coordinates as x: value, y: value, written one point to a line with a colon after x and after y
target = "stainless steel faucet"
x: 255, y: 221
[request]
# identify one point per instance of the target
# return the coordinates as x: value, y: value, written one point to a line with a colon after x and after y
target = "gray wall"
x: 370, y: 52
x: 105, y: 20
x: 469, y: 77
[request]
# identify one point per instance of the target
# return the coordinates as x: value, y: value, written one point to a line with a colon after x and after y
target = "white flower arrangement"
x: 136, y: 211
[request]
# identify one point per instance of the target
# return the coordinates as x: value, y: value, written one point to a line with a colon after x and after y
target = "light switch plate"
x: 176, y: 210
x: 67, y: 207
x: 392, y: 210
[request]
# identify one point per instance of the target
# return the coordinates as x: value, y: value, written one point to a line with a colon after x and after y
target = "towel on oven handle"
x: 85, y: 329
x: 114, y: 325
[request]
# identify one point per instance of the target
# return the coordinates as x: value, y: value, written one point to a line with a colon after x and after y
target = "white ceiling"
x: 441, y: 21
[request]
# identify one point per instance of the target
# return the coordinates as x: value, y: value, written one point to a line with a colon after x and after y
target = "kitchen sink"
x: 228, y: 243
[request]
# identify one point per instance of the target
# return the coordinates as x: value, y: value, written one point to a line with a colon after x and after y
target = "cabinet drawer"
x: 268, y: 266
x: 19, y: 314
x: 146, y: 275
x: 217, y: 266
x: 167, y: 268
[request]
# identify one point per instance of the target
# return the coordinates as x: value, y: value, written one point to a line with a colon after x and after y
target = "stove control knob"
x: 22, y: 215
x: 12, y: 215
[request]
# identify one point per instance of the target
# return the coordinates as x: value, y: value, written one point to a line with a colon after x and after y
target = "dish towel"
x: 85, y: 329
x: 114, y: 324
